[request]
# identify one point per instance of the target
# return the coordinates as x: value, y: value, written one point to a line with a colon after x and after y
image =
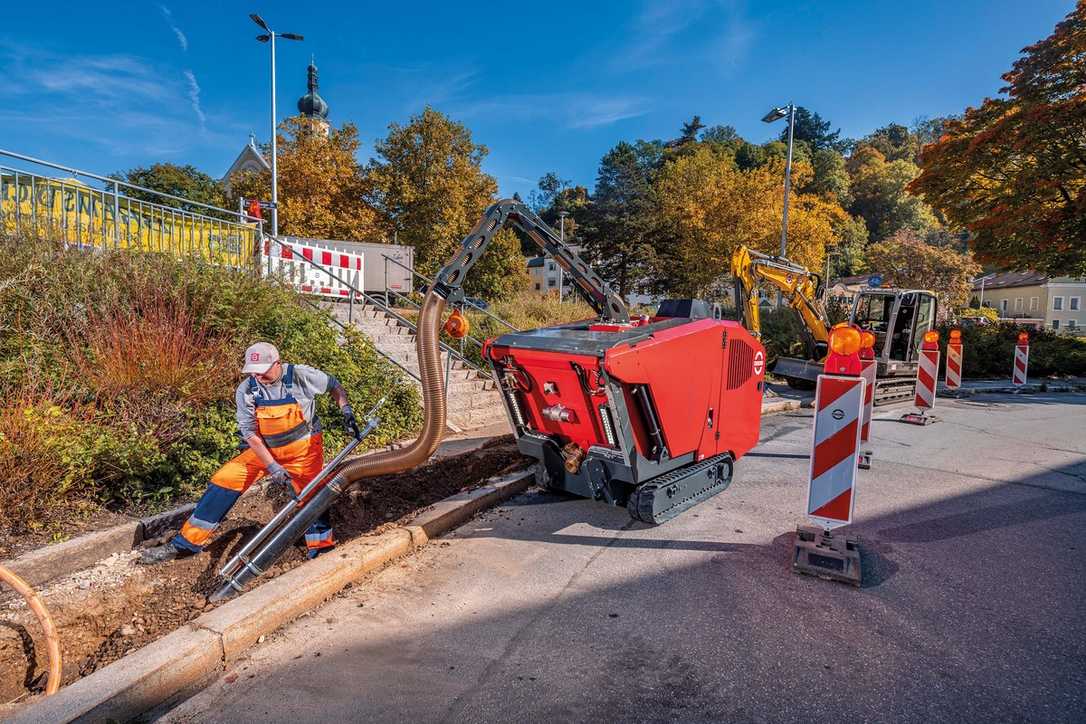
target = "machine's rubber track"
x: 891, y: 390
x: 662, y: 498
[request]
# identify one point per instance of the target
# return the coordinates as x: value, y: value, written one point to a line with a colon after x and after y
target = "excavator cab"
x: 898, y: 318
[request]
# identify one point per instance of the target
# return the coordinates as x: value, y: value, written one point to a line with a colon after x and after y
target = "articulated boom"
x: 507, y: 212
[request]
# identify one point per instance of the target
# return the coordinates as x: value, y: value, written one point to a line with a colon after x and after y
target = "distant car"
x: 476, y: 302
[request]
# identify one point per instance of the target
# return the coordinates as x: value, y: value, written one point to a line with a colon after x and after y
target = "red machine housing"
x: 606, y: 407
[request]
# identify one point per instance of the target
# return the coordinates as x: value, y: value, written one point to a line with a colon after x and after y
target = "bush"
x: 124, y: 365
x: 989, y: 351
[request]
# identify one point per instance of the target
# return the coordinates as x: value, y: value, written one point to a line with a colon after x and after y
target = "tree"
x: 830, y: 176
x: 894, y: 142
x: 721, y: 135
x: 428, y: 182
x: 618, y: 228
x: 879, y: 194
x: 849, y: 255
x: 1013, y: 171
x: 812, y: 129
x: 188, y: 182
x: 713, y: 207
x: 906, y: 260
x: 690, y: 131
x: 321, y: 187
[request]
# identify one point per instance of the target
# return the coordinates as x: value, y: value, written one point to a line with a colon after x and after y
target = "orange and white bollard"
x: 835, y: 445
x: 1021, y: 360
x: 954, y: 360
x: 869, y: 373
x: 927, y: 372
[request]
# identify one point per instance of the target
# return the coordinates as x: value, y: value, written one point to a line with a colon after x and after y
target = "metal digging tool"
x: 289, y: 523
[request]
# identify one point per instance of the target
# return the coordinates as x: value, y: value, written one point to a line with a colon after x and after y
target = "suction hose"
x: 428, y: 348
x: 51, y: 641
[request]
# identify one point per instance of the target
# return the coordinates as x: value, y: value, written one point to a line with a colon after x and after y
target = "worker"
x: 280, y: 440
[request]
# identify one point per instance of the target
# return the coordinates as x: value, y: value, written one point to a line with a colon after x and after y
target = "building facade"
x: 1055, y: 303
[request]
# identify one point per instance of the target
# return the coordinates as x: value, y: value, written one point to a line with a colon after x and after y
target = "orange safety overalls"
x: 290, y: 439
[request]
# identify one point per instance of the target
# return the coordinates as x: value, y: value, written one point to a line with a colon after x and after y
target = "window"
x: 1057, y: 303
x: 537, y: 286
x: 1055, y: 324
x: 1033, y: 304
x: 1003, y: 307
x: 1018, y: 304
x: 552, y: 282
x: 1073, y: 305
x: 550, y: 266
x: 1071, y: 324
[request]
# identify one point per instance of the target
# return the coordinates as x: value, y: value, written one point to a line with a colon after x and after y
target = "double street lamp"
x: 269, y: 36
x: 789, y: 112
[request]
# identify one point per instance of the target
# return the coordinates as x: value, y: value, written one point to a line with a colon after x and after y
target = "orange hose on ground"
x: 46, y: 621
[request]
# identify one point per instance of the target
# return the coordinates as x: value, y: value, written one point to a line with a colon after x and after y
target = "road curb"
x: 185, y: 659
x: 44, y: 564
x: 772, y: 408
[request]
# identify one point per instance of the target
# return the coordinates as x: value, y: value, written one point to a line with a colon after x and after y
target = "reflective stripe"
x: 298, y: 432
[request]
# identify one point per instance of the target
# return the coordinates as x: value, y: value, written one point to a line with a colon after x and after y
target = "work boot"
x: 160, y: 554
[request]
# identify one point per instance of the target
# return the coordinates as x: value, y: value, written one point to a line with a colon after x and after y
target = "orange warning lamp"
x: 931, y: 340
x: 457, y: 325
x: 955, y: 336
x: 844, y: 356
x: 867, y: 345
x: 1023, y: 339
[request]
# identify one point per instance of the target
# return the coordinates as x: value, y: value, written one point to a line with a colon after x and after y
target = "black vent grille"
x: 740, y: 363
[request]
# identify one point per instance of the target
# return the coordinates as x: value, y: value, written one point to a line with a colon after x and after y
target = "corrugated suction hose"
x: 52, y: 643
x: 428, y: 348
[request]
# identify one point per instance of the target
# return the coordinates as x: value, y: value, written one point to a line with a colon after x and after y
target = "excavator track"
x: 891, y: 391
x: 663, y: 498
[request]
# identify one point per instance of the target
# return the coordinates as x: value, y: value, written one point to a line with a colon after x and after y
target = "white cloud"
x: 716, y: 32
x: 181, y: 39
x: 194, y: 98
x: 578, y: 110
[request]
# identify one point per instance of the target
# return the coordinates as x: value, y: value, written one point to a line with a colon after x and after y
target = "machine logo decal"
x: 838, y: 414
x: 759, y: 362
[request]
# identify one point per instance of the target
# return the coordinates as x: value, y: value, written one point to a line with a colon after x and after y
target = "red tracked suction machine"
x: 650, y: 413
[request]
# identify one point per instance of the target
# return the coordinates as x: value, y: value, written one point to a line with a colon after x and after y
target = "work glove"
x: 350, y: 424
x: 277, y: 478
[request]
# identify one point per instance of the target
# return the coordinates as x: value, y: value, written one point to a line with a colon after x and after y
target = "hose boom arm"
x: 449, y: 281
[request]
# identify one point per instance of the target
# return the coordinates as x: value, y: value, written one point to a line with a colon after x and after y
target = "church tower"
x: 311, y: 105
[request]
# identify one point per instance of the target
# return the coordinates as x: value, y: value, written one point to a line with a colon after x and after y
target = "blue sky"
x: 106, y: 86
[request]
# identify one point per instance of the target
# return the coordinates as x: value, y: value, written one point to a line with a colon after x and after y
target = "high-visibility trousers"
x: 303, y: 459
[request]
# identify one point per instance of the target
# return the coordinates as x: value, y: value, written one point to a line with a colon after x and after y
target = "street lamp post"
x: 269, y: 37
x: 789, y: 112
x: 562, y: 234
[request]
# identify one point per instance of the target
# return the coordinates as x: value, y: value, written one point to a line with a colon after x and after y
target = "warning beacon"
x: 927, y: 374
x: 954, y: 360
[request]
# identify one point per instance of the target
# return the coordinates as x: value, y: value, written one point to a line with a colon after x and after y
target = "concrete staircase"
x: 473, y: 400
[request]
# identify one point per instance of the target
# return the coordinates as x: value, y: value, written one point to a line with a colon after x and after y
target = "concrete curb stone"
x: 185, y: 659
x: 45, y: 564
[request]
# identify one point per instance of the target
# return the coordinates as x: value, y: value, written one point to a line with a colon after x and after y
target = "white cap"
x: 259, y: 358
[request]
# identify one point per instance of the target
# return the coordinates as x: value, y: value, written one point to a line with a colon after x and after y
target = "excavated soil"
x: 116, y: 607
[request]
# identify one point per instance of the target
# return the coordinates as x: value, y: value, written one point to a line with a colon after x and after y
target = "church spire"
x: 311, y: 105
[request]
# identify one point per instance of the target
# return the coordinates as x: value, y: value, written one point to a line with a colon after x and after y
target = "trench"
x: 115, y: 607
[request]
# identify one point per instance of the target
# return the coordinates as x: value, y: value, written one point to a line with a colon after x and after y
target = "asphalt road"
x: 556, y: 609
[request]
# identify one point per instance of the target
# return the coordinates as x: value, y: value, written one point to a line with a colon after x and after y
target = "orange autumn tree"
x: 1013, y: 171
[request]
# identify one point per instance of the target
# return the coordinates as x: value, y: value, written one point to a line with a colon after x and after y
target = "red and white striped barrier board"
x: 1021, y: 364
x: 869, y: 372
x: 953, y: 366
x: 338, y: 267
x: 927, y: 372
x: 839, y: 403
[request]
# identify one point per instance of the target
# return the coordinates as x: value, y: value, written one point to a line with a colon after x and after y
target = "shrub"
x: 989, y: 351
x: 140, y: 354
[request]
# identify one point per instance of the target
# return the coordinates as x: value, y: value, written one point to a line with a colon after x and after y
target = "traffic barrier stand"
x: 927, y: 373
x: 835, y: 444
x: 1021, y: 360
x: 869, y: 373
x: 954, y: 361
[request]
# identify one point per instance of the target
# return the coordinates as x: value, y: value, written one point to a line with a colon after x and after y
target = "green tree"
x: 618, y: 228
x: 812, y: 129
x: 428, y: 182
x: 894, y: 142
x: 188, y: 182
x: 906, y: 260
x: 830, y: 176
x: 880, y: 195
x: 1013, y: 170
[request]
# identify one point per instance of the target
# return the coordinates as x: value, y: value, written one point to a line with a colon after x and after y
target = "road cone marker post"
x: 835, y: 446
x: 954, y: 360
x: 927, y: 373
x: 1021, y: 360
x: 869, y: 372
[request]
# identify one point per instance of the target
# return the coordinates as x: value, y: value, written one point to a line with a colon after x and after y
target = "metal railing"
x: 80, y: 214
x: 377, y: 303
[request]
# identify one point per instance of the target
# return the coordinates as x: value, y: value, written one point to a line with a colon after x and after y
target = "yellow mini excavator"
x: 897, y: 317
